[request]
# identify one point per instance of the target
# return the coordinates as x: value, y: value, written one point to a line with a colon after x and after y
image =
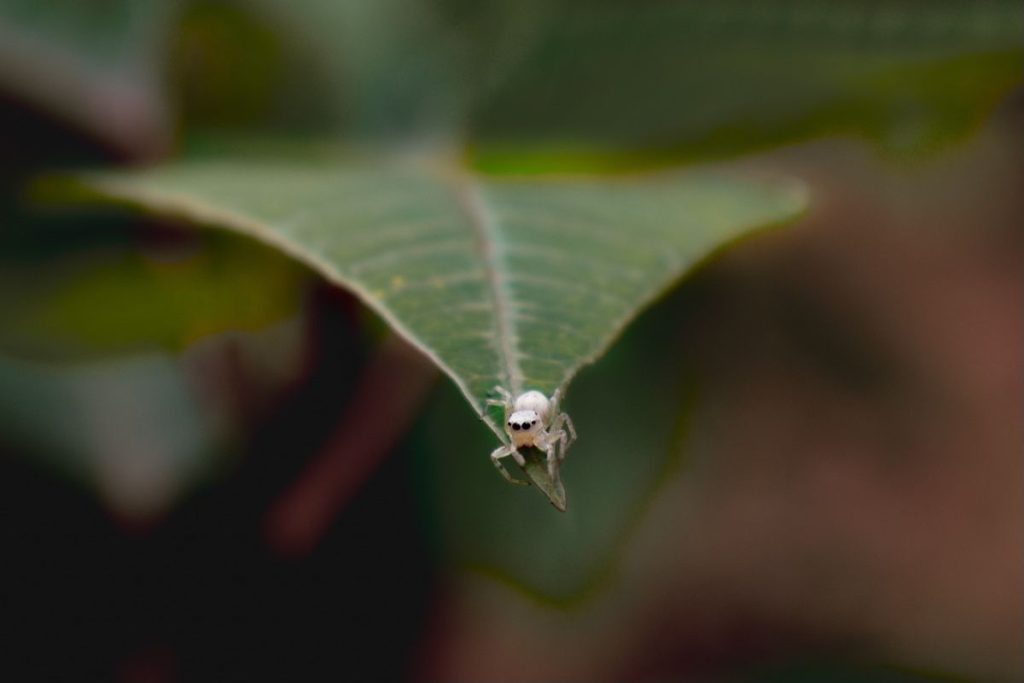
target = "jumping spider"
x: 533, y: 420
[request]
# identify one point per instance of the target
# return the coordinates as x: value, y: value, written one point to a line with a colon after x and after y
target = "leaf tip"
x: 536, y: 471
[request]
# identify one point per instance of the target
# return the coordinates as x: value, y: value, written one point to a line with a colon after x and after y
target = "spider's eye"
x: 533, y: 423
x: 515, y: 426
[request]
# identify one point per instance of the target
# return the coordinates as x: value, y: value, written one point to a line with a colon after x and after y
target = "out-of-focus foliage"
x: 131, y: 354
x: 545, y: 85
x: 96, y: 65
x: 541, y: 85
x: 663, y: 81
x: 232, y: 69
x: 101, y: 300
x: 107, y: 34
x: 128, y: 427
x: 142, y: 428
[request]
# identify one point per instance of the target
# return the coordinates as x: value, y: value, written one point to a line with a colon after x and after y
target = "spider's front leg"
x: 504, y: 397
x: 505, y: 401
x: 504, y: 451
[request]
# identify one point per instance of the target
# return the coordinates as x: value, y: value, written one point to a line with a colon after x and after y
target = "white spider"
x: 533, y: 420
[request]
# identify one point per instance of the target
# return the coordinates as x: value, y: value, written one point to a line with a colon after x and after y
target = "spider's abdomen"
x: 535, y: 401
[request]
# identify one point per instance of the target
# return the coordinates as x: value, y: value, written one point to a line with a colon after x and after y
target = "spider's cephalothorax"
x: 533, y: 420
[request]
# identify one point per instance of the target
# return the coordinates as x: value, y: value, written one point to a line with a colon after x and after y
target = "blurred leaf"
x: 143, y: 428
x: 661, y: 81
x: 656, y: 81
x: 127, y: 426
x: 393, y: 70
x: 499, y: 282
x: 132, y: 356
x: 572, y: 81
x: 104, y: 33
x: 96, y: 64
x: 109, y: 300
x: 232, y: 68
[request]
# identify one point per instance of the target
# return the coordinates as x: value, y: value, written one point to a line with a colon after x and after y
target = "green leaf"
x: 516, y: 283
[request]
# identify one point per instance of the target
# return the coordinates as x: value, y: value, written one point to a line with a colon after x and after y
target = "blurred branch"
x: 387, y: 399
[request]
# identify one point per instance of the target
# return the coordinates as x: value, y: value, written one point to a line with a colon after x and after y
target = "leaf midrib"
x: 483, y: 223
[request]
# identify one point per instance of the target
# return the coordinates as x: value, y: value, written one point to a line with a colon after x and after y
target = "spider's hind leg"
x: 549, y: 444
x: 560, y: 420
x: 564, y: 439
x: 572, y: 428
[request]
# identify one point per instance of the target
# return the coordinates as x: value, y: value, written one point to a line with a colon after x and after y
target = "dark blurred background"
x: 802, y: 465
